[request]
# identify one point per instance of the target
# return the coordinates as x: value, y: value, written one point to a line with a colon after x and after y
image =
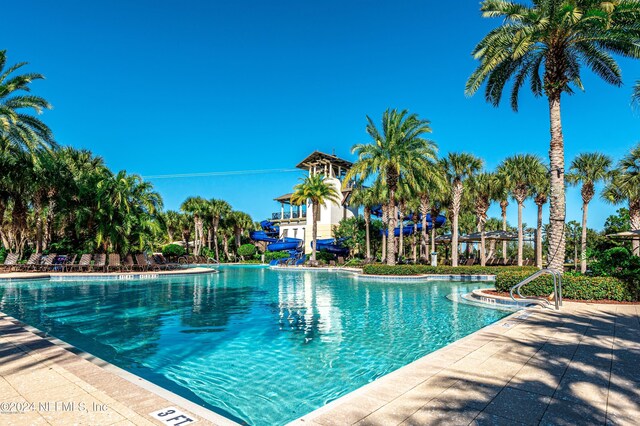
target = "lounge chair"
x: 154, y: 265
x: 10, y: 262
x: 83, y: 264
x: 99, y: 262
x: 470, y: 262
x: 46, y: 263
x: 32, y: 263
x: 161, y: 260
x: 114, y: 262
x: 128, y: 263
x: 141, y: 262
x: 68, y: 261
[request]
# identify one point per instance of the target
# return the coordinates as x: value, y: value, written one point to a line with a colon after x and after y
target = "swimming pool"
x: 256, y: 345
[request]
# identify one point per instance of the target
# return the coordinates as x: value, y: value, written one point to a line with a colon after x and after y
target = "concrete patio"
x: 579, y: 366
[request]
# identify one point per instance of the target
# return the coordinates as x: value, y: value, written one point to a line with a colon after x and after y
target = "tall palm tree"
x: 241, y: 222
x: 635, y: 96
x: 503, y: 194
x: 431, y: 183
x: 197, y: 208
x: 482, y: 188
x: 368, y: 198
x: 316, y: 190
x: 395, y: 155
x: 218, y: 209
x: 520, y: 171
x: 587, y: 169
x: 547, y: 43
x: 19, y: 128
x: 458, y: 167
x: 625, y: 186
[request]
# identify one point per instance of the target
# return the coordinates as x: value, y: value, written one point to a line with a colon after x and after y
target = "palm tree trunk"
x: 433, y: 237
x: 583, y: 241
x: 520, y: 233
x: 314, y: 230
x: 557, y: 205
x: 385, y: 223
x: 634, y: 216
x: 414, y: 241
x: 424, y: 209
x: 455, y: 210
x: 539, y: 238
x: 37, y: 211
x: 503, y: 207
x: 367, y: 223
x: 401, y: 236
x: 391, y: 226
x: 215, y: 243
x: 209, y: 233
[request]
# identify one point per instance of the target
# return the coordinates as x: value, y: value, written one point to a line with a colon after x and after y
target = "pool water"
x: 256, y: 345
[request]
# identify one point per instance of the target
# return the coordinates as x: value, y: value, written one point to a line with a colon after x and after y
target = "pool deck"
x: 538, y: 366
x: 44, y: 381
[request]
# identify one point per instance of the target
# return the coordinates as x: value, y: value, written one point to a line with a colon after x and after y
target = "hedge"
x: 378, y: 269
x: 578, y: 287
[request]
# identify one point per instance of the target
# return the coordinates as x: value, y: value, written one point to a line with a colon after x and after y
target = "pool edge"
x: 145, y: 385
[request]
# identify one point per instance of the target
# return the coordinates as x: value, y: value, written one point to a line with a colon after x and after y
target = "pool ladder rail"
x: 557, y: 288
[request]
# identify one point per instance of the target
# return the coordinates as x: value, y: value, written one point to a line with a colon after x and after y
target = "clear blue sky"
x: 160, y: 87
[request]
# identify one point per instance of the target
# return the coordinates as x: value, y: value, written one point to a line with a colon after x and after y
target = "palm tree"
x: 625, y: 186
x: 197, y: 208
x: 540, y: 188
x: 17, y: 127
x: 317, y: 191
x: 547, y: 43
x: 395, y: 155
x: 587, y: 169
x: 483, y: 191
x: 502, y: 194
x: 218, y: 209
x: 368, y: 198
x: 458, y: 167
x: 240, y: 222
x: 635, y: 97
x: 520, y: 171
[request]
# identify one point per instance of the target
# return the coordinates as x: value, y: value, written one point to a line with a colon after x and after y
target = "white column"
x: 281, y: 210
x: 290, y: 211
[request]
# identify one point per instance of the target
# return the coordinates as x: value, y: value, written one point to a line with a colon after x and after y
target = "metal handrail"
x: 557, y: 287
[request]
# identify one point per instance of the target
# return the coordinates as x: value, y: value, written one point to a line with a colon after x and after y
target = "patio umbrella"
x: 626, y: 235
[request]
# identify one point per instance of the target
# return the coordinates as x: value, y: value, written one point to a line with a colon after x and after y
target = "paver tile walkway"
x: 578, y: 366
x: 42, y: 383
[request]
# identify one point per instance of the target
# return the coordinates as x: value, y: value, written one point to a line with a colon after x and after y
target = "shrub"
x: 378, y: 269
x: 171, y: 250
x: 3, y: 254
x: 579, y: 287
x: 271, y: 255
x: 246, y: 250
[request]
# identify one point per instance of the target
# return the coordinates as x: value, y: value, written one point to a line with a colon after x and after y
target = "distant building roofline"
x: 317, y: 158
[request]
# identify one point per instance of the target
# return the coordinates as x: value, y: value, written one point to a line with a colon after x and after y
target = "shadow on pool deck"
x: 577, y: 366
x: 37, y: 369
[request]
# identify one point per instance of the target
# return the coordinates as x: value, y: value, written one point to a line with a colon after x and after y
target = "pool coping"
x: 434, y: 361
x: 116, y: 276
x: 111, y: 369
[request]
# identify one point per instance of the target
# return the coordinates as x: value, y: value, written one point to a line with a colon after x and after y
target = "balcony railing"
x: 288, y: 215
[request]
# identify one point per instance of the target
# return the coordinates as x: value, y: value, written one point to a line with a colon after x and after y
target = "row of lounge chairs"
x: 53, y: 262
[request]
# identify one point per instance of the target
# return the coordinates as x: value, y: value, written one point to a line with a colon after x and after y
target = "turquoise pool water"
x: 259, y: 346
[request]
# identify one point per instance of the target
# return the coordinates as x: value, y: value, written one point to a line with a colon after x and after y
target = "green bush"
x: 3, y: 254
x: 378, y: 269
x: 271, y: 255
x: 246, y: 250
x: 574, y: 286
x: 171, y: 250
